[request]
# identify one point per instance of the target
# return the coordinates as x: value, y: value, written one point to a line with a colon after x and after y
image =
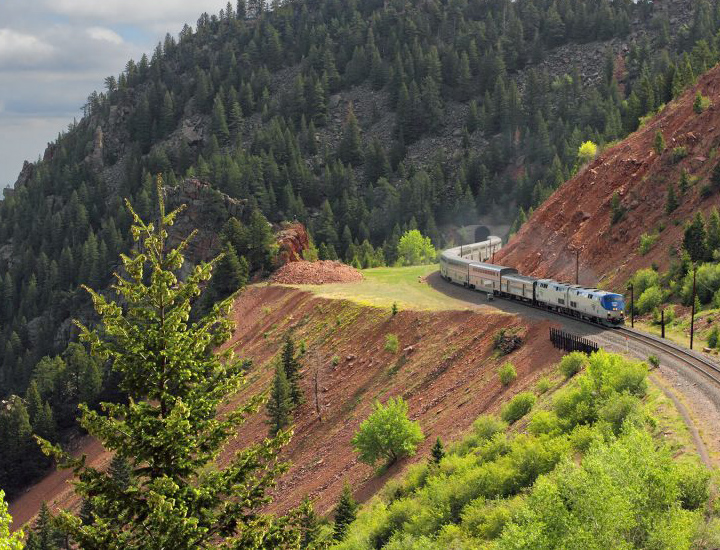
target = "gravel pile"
x: 316, y: 273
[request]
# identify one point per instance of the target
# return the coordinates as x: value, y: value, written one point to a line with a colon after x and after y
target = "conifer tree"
x: 345, y: 512
x: 219, y: 122
x: 44, y: 535
x: 694, y: 240
x: 291, y: 365
x: 309, y: 524
x: 168, y: 430
x: 659, y: 143
x: 437, y: 452
x: 350, y: 146
x: 672, y: 202
x: 279, y: 406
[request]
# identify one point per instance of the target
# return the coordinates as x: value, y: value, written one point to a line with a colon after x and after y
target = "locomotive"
x: 470, y: 266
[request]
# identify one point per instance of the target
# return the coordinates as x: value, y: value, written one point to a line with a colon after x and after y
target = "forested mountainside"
x: 358, y: 118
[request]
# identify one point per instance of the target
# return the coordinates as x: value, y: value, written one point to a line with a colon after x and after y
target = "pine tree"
x: 350, y: 146
x: 345, y: 512
x: 291, y: 365
x: 713, y: 233
x: 715, y: 177
x: 659, y: 143
x: 309, y: 524
x: 219, y: 122
x: 437, y: 453
x: 44, y: 536
x: 169, y: 431
x: 120, y: 471
x: 672, y: 202
x: 279, y: 407
x: 694, y: 240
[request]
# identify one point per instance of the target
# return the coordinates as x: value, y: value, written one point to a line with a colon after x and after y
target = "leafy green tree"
x: 345, y: 512
x: 291, y: 366
x: 279, y: 406
x: 587, y: 152
x: 168, y: 431
x: 8, y: 541
x: 387, y: 433
x: 414, y: 249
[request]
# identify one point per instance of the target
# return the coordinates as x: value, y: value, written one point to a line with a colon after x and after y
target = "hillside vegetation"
x: 584, y: 470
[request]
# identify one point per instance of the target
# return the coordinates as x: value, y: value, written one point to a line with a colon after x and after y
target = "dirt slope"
x: 444, y: 368
x: 577, y: 216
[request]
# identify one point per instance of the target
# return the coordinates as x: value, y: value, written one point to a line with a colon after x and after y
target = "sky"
x: 54, y: 53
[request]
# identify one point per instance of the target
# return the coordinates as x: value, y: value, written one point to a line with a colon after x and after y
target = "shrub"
x: 653, y: 361
x: 617, y: 211
x: 659, y: 143
x: 679, y: 153
x: 712, y: 340
x: 587, y: 152
x: 486, y: 426
x: 335, y: 360
x: 618, y: 409
x: 701, y: 103
x: 544, y: 422
x: 649, y: 300
x: 387, y: 433
x: 394, y: 309
x: 391, y: 343
x: 647, y: 241
x: 643, y: 279
x: 572, y: 364
x: 507, y: 374
x: 693, y: 482
x: 517, y: 407
x: 543, y: 385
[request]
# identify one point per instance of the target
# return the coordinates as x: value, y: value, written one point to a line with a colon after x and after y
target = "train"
x: 472, y: 266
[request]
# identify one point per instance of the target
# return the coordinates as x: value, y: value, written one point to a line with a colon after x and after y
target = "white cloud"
x: 105, y: 35
x: 20, y: 49
x: 140, y: 12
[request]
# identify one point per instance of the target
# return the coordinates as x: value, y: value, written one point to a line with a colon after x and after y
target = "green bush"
x: 543, y: 385
x: 517, y: 407
x: 653, y: 361
x: 679, y: 153
x: 572, y: 364
x: 649, y: 300
x: 391, y: 343
x: 507, y: 374
x: 486, y: 426
x: 643, y: 279
x: 647, y: 241
x: 693, y: 480
x: 544, y: 422
x: 701, y: 103
x: 618, y: 409
x: 712, y: 340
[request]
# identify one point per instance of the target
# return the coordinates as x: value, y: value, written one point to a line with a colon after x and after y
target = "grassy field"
x: 384, y: 285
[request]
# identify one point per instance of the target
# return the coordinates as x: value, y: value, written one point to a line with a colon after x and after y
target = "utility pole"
x: 493, y: 255
x: 577, y: 266
x: 632, y: 305
x: 692, y: 316
x: 662, y: 322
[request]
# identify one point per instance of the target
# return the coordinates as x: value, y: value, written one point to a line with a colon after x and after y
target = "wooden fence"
x: 570, y: 342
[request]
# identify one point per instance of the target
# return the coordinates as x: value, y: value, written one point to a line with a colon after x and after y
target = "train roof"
x: 520, y: 278
x: 493, y: 267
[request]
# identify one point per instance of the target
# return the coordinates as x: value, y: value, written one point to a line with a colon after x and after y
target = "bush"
x: 507, y: 374
x: 693, y: 482
x: 572, y: 364
x: 486, y: 426
x: 649, y: 300
x: 544, y: 422
x: 587, y: 152
x: 701, y: 103
x: 387, y: 433
x: 543, y: 385
x: 647, y: 241
x: 712, y: 340
x: 679, y: 153
x: 517, y: 407
x: 391, y: 343
x: 618, y: 409
x: 653, y: 361
x: 644, y: 279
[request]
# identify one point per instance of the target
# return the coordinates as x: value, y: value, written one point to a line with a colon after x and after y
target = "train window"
x: 561, y: 301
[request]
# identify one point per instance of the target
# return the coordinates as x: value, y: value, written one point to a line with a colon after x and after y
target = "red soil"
x: 577, y: 215
x: 316, y: 273
x: 444, y: 368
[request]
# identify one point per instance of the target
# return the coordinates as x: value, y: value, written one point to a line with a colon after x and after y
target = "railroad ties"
x: 571, y: 342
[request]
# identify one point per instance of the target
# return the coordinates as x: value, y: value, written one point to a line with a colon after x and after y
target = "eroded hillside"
x: 444, y: 367
x: 579, y: 214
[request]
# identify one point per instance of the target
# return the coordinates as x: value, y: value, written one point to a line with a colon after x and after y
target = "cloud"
x: 140, y: 12
x: 19, y: 49
x: 106, y: 35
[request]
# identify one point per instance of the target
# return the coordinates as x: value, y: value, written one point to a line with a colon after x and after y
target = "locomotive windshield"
x: 613, y: 302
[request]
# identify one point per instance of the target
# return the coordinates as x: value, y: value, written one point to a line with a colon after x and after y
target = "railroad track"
x: 708, y: 368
